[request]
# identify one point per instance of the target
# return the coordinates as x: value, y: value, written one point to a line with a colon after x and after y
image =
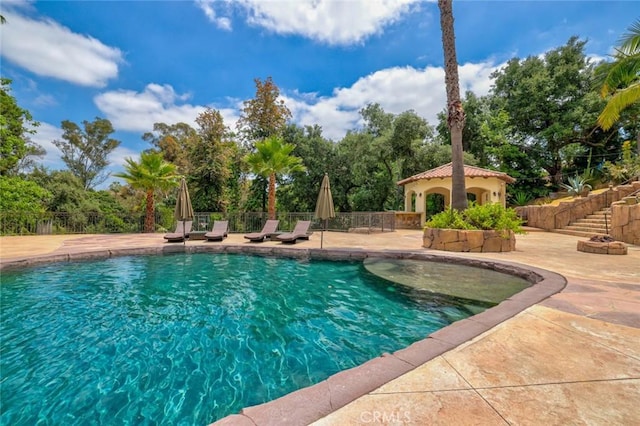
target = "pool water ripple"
x: 188, y: 339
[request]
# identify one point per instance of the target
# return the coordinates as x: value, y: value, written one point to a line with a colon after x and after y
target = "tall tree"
x: 151, y: 174
x: 210, y: 159
x: 175, y: 142
x: 409, y: 133
x: 86, y: 152
x: 455, y: 111
x: 550, y: 103
x: 476, y: 111
x: 263, y: 116
x: 622, y: 81
x: 319, y: 158
x: 271, y: 158
x: 16, y: 124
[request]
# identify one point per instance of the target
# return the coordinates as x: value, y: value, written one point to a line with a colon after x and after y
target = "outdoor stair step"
x: 593, y: 229
x: 592, y: 220
x: 601, y: 230
x: 577, y: 233
x: 588, y: 224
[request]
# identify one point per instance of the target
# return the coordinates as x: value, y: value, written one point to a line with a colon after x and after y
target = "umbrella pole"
x: 184, y: 234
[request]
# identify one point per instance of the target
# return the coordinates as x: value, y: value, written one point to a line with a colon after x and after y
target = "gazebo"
x: 483, y: 186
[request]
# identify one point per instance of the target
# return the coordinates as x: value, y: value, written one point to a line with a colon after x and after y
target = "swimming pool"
x: 191, y: 338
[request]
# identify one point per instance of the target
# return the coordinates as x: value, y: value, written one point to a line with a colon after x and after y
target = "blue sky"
x: 141, y: 62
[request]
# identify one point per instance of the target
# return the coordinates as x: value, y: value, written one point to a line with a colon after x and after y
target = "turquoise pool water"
x: 188, y: 339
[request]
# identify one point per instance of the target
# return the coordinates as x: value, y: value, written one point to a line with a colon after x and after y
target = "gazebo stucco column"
x: 407, y: 201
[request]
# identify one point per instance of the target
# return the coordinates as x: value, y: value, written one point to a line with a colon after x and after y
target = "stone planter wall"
x: 468, y: 241
x: 625, y: 222
x: 549, y: 217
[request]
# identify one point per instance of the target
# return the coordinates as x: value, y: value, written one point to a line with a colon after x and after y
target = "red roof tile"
x: 445, y: 171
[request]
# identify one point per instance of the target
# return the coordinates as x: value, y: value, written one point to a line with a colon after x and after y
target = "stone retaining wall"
x: 550, y: 217
x: 408, y: 220
x: 625, y: 222
x: 468, y: 241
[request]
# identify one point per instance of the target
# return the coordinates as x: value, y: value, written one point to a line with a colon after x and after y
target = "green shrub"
x: 448, y: 219
x: 626, y: 168
x: 476, y: 217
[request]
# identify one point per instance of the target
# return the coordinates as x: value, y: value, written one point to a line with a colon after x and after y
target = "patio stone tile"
x: 614, y: 336
x: 435, y: 375
x: 519, y: 352
x: 589, y: 403
x: 461, y: 407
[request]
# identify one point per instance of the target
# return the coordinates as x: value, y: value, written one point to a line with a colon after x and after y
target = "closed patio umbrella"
x: 324, y: 206
x: 183, y: 211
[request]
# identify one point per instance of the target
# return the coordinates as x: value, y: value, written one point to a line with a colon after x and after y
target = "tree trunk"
x: 272, y: 196
x: 149, y: 219
x: 455, y: 112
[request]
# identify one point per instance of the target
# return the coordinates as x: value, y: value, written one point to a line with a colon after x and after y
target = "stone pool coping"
x: 312, y: 403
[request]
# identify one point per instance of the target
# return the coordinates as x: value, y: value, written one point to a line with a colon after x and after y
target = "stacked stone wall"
x: 468, y: 241
x: 625, y: 222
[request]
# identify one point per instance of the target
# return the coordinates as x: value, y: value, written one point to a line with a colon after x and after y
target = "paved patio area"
x: 573, y: 358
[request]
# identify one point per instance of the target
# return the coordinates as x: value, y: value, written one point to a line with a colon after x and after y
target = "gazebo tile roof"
x: 446, y: 171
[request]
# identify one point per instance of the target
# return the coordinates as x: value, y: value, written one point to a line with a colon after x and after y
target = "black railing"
x: 23, y: 223
x: 343, y: 222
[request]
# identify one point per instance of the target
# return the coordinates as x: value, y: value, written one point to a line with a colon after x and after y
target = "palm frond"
x: 619, y: 101
x: 630, y: 41
x: 620, y: 74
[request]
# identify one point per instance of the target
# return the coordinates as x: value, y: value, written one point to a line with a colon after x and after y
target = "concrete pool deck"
x: 573, y: 358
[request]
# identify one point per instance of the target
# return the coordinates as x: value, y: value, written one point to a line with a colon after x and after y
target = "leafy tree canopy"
x: 551, y: 103
x: 16, y: 124
x: 263, y: 116
x: 86, y: 151
x: 175, y: 142
x: 211, y: 159
x: 20, y: 195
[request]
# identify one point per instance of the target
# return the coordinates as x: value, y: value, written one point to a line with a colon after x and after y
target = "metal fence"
x: 22, y: 223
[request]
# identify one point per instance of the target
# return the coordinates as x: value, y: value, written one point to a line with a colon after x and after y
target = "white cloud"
x: 595, y: 58
x: 49, y: 49
x: 206, y: 6
x: 129, y: 110
x: 45, y: 100
x: 395, y: 89
x: 328, y: 21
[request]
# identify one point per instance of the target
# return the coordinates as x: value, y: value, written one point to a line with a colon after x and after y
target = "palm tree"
x: 271, y: 158
x: 151, y: 174
x: 455, y: 112
x: 622, y: 81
